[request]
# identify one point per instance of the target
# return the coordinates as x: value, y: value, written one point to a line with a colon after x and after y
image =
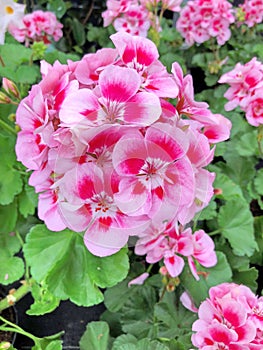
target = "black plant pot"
x: 67, y: 317
x: 11, y: 315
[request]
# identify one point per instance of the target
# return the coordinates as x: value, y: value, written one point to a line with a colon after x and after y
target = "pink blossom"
x: 204, y: 19
x: 188, y: 302
x: 127, y: 16
x: 170, y: 242
x: 111, y: 155
x: 246, y: 86
x: 142, y: 55
x: 37, y: 26
x: 173, y: 5
x: 253, y: 12
x: 228, y: 319
x: 139, y: 280
x: 151, y: 169
x: 254, y: 110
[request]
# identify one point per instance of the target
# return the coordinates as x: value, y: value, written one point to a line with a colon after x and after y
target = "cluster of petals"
x: 136, y: 16
x: 172, y: 243
x: 129, y: 16
x: 10, y: 13
x: 110, y: 155
x: 252, y: 12
x: 37, y: 26
x: 230, y: 319
x: 246, y: 90
x: 201, y: 20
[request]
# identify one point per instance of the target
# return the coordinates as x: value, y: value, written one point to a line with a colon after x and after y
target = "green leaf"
x: 137, y: 312
x: 228, y: 187
x: 11, y: 269
x: 96, y: 336
x: 236, y: 222
x: 10, y: 184
x: 257, y: 258
x: 259, y: 182
x: 78, y: 32
x: 208, y: 212
x: 117, y: 296
x: 43, y: 249
x: 76, y: 283
x: 247, y: 277
x: 51, y: 342
x: 247, y: 144
x: 212, y: 276
x: 27, y: 74
x: 14, y: 54
x: 44, y: 301
x: 55, y: 254
x: 108, y: 271
x: 9, y: 244
x: 27, y: 201
x: 8, y: 217
x: 123, y: 340
x: 173, y: 319
x: 58, y: 7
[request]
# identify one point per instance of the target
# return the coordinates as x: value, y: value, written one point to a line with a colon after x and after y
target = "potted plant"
x: 123, y: 186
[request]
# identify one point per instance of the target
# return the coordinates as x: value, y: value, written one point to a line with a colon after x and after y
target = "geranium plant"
x: 121, y: 184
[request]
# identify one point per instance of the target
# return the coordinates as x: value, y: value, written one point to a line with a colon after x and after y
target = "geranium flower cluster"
x: 201, y: 20
x: 171, y: 243
x: 111, y: 155
x: 230, y: 319
x: 37, y: 26
x: 246, y: 90
x: 136, y: 16
x: 251, y: 12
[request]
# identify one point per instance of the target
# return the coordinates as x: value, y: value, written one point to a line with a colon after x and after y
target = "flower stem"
x: 16, y: 296
x: 7, y: 127
x: 213, y: 233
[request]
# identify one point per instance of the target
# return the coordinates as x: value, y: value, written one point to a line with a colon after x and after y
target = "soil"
x: 10, y: 315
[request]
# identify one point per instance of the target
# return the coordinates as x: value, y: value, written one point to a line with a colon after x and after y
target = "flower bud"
x: 10, y: 87
x: 4, y: 99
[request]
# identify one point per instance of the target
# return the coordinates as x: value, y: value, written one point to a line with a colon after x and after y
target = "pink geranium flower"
x: 37, y: 26
x: 229, y: 319
x: 253, y: 12
x: 246, y: 86
x: 153, y: 169
x: 113, y: 157
x: 204, y: 19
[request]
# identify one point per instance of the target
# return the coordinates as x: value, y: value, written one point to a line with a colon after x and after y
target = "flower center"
x: 102, y: 202
x: 9, y: 10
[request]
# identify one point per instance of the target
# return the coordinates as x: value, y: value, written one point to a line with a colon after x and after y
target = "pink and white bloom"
x: 253, y: 12
x: 127, y: 16
x: 87, y: 203
x: 171, y: 242
x: 204, y: 19
x: 153, y: 170
x: 142, y: 55
x: 245, y: 91
x: 37, y: 26
x: 228, y: 319
x: 111, y: 156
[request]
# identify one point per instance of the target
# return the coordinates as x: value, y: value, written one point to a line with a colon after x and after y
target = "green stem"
x: 213, y: 233
x: 259, y: 140
x: 2, y: 61
x: 149, y: 268
x: 15, y: 328
x: 7, y: 127
x: 18, y: 294
x: 27, y: 274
